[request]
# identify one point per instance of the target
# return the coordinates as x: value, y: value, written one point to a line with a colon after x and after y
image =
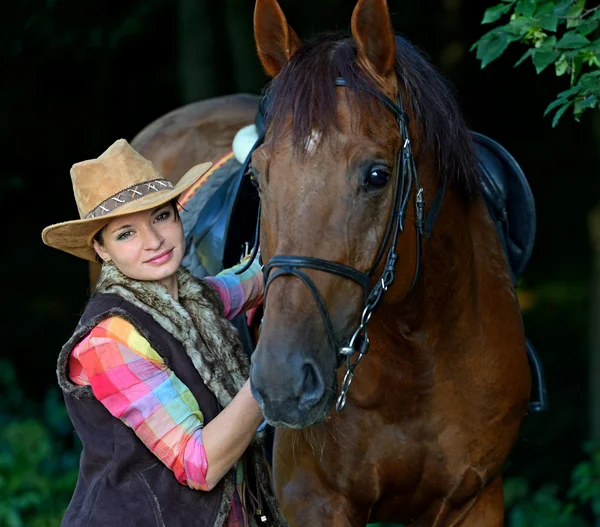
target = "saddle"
x: 509, y: 200
x: 221, y: 226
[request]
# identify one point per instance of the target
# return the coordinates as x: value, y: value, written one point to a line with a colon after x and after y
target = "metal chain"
x: 361, y: 332
x: 349, y: 377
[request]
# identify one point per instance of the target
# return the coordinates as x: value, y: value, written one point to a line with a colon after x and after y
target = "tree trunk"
x: 197, y: 51
x: 594, y: 227
x: 594, y: 321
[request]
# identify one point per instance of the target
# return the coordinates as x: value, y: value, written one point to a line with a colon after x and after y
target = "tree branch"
x: 582, y: 15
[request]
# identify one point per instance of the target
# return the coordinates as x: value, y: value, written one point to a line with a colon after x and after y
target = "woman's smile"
x: 161, y: 258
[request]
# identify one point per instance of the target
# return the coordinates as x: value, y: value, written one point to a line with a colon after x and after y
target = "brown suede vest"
x: 122, y: 483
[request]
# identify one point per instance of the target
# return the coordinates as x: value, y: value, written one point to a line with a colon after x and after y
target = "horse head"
x: 350, y: 172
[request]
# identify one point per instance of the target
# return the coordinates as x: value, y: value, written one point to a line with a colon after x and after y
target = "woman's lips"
x: 161, y: 258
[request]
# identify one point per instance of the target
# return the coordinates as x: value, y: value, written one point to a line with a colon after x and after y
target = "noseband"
x: 405, y: 178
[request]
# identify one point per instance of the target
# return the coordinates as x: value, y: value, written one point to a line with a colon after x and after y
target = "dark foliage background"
x: 78, y: 75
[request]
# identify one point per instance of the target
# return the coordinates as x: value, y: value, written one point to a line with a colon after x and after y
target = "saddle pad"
x: 204, y: 217
x: 190, y: 192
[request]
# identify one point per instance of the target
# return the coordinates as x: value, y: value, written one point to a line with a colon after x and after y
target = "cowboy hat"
x: 119, y: 182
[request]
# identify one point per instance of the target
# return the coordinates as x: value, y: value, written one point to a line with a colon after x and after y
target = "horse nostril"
x: 311, y: 388
x: 311, y: 381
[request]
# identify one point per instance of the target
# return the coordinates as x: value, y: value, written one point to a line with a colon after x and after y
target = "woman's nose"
x: 152, y: 239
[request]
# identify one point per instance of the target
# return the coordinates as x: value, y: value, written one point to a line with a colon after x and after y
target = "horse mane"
x: 306, y: 87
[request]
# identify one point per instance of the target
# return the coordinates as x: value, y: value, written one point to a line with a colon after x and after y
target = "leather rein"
x: 282, y: 265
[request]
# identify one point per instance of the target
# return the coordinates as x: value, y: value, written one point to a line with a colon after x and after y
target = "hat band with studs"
x: 128, y: 195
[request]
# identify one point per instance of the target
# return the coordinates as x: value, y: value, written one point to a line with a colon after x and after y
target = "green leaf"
x: 553, y: 105
x: 577, y: 8
x: 594, y: 47
x: 519, y: 26
x: 561, y: 8
x: 590, y: 81
x: 494, y: 13
x: 475, y: 44
x: 571, y: 91
x: 548, y: 22
x: 574, y: 15
x: 560, y: 113
x: 547, y: 43
x: 525, y: 8
x: 585, y: 28
x: 542, y: 58
x: 561, y: 66
x: 576, y: 68
x: 515, y: 490
x: 490, y: 49
x: 526, y: 55
x: 580, y: 106
x: 572, y: 40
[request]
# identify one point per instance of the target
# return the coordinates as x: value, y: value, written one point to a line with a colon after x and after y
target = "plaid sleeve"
x: 132, y: 381
x: 239, y: 293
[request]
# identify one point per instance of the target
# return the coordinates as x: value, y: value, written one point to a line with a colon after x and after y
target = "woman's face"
x: 147, y: 245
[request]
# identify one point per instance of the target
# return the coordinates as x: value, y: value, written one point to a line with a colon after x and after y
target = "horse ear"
x: 374, y: 36
x: 276, y: 41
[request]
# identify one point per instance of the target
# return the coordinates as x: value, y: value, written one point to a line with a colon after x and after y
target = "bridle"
x: 405, y: 178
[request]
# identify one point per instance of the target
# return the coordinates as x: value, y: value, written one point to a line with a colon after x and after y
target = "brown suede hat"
x: 119, y: 182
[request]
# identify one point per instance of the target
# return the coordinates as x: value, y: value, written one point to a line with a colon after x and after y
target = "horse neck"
x: 463, y: 277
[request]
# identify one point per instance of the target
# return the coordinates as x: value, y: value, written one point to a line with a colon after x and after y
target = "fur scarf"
x: 196, y: 320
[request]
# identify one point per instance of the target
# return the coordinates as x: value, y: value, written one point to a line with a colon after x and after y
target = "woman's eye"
x: 377, y: 178
x: 124, y: 235
x: 163, y: 216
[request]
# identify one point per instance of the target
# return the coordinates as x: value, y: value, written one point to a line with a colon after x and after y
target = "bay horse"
x: 375, y: 239
x: 370, y: 206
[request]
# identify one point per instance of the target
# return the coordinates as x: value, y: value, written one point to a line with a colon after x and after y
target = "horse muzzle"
x: 293, y: 389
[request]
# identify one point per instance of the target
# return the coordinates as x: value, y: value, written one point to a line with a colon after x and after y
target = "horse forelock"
x: 305, y: 92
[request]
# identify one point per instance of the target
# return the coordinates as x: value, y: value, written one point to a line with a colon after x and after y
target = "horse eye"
x: 253, y: 175
x: 377, y: 178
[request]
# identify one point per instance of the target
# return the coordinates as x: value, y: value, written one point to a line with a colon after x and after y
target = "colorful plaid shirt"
x: 132, y: 381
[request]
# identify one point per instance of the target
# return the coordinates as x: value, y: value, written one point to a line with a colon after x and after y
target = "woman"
x: 154, y: 377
